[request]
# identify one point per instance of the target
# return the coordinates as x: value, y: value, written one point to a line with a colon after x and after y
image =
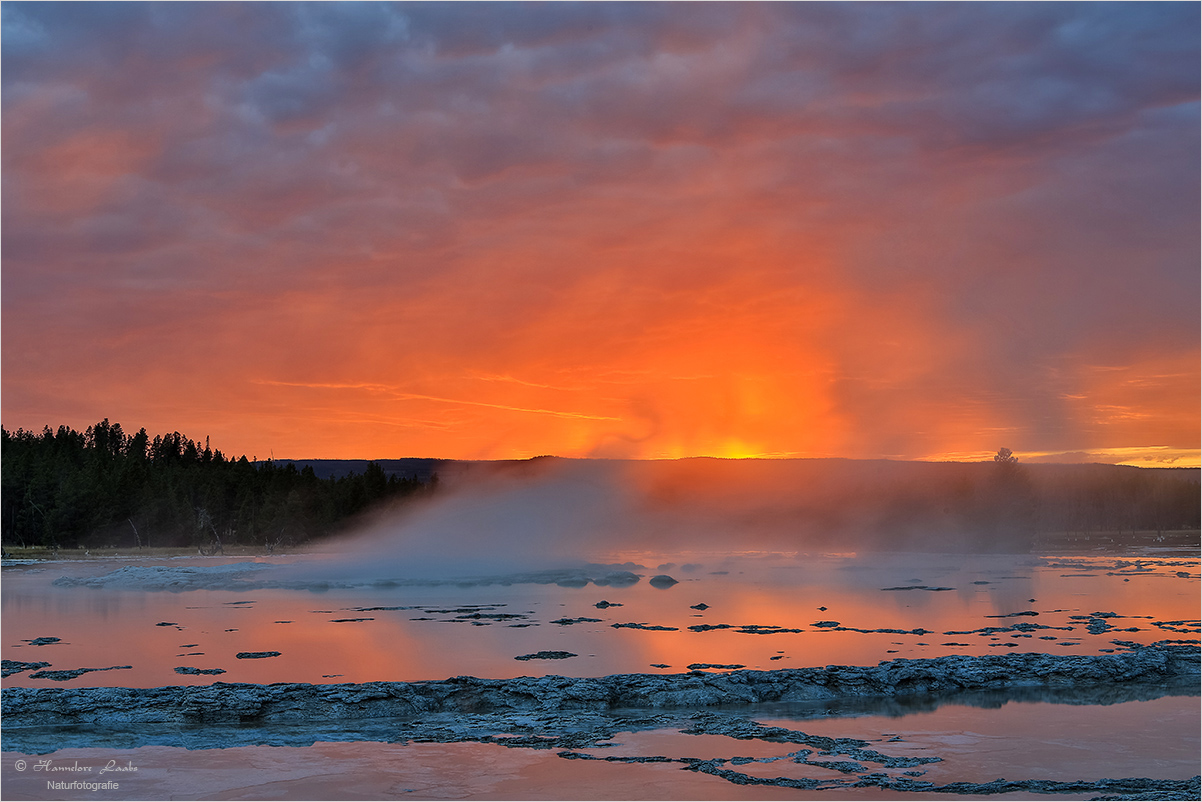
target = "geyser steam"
x: 558, y: 514
x: 498, y: 519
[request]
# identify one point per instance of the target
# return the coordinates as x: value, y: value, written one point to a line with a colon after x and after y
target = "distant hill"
x: 420, y: 468
x: 423, y: 468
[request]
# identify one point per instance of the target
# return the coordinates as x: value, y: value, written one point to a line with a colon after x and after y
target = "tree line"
x: 105, y: 487
x: 1117, y: 498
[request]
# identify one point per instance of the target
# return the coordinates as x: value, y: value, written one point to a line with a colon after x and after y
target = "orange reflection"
x: 428, y: 639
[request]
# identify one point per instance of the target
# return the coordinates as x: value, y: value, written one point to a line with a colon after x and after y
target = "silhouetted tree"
x: 1005, y: 456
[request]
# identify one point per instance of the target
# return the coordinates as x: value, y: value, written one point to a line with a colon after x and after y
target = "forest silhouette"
x: 104, y: 487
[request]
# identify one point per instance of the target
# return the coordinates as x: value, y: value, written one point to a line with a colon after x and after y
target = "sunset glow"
x: 491, y: 231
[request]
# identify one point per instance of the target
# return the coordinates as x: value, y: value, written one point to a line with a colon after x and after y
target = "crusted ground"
x: 298, y: 702
x: 579, y: 718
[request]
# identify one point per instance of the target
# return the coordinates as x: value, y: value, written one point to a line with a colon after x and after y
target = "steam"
x: 537, y: 517
x: 499, y: 519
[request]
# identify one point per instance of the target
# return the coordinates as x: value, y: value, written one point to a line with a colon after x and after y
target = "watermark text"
x: 80, y: 785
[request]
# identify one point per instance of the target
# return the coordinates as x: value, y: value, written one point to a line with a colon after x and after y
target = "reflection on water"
x: 755, y: 610
x: 949, y: 743
x: 1159, y: 738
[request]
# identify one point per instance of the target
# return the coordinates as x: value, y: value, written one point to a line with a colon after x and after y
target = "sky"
x: 647, y: 230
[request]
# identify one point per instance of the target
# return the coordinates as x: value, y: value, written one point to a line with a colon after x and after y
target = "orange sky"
x: 497, y: 231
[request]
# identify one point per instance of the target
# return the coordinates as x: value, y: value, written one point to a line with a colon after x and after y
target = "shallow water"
x: 1157, y: 738
x: 462, y: 628
x: 330, y: 634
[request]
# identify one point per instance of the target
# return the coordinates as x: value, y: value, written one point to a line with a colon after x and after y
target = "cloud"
x: 854, y: 229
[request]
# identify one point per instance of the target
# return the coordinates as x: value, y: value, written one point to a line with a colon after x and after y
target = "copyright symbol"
x: 19, y: 765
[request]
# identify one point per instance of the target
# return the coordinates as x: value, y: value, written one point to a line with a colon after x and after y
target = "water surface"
x: 760, y: 611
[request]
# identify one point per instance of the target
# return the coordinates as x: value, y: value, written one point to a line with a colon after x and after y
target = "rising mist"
x: 550, y: 513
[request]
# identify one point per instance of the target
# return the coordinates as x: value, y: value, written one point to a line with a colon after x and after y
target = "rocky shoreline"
x: 281, y: 703
x: 581, y: 718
